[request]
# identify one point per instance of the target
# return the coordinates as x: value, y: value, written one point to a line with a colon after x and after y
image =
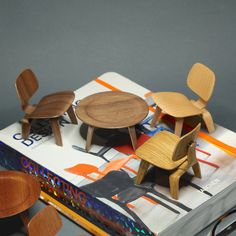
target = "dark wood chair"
x: 46, y: 222
x: 51, y: 107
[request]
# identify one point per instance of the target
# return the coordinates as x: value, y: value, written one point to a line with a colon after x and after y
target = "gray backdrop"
x: 152, y: 42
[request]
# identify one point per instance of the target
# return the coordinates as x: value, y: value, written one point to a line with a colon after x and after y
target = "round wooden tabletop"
x: 18, y: 192
x: 112, y: 110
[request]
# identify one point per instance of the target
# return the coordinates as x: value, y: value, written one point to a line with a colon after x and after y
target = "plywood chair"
x: 51, y: 107
x: 167, y: 151
x: 46, y: 222
x: 201, y: 80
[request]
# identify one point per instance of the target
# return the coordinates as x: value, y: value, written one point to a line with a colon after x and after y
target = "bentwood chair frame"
x: 51, y: 107
x: 167, y: 151
x: 201, y: 80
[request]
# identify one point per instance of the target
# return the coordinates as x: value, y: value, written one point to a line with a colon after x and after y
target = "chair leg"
x: 174, y: 183
x: 197, y: 170
x: 179, y: 126
x: 56, y: 130
x: 89, y: 137
x: 143, y: 167
x: 72, y: 116
x: 133, y: 137
x: 206, y: 115
x: 156, y: 116
x: 25, y: 128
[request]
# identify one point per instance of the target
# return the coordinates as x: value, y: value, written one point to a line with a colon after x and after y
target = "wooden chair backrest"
x: 201, y: 80
x: 185, y: 141
x: 26, y: 85
x: 46, y: 222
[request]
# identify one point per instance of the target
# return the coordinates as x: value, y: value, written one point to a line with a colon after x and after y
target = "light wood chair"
x: 51, y: 107
x: 169, y: 152
x: 46, y: 222
x: 201, y: 80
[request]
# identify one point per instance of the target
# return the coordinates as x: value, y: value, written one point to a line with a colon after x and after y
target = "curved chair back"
x: 46, y: 222
x: 26, y: 85
x: 185, y: 141
x: 201, y: 80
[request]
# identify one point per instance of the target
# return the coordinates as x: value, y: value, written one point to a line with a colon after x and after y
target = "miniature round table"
x: 18, y: 192
x: 112, y: 110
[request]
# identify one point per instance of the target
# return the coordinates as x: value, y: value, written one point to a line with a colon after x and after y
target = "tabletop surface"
x: 18, y: 192
x: 112, y: 110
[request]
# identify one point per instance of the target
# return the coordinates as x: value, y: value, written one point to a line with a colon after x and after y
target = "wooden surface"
x: 51, y: 106
x: 159, y: 149
x: 46, y: 222
x: 175, y: 104
x: 112, y: 110
x: 201, y: 80
x: 168, y: 151
x: 18, y: 192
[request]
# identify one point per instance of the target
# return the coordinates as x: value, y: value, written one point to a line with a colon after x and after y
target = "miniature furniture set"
x: 115, y: 110
x: 100, y: 178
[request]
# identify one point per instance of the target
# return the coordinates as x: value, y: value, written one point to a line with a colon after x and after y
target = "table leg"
x: 89, y: 137
x: 25, y: 219
x: 133, y: 136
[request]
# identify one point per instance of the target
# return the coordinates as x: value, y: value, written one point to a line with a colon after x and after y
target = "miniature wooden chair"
x: 169, y: 152
x: 49, y: 107
x: 46, y: 222
x: 201, y: 80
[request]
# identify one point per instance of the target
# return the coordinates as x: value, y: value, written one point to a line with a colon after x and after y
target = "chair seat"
x: 159, y: 149
x: 53, y: 105
x: 175, y: 104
